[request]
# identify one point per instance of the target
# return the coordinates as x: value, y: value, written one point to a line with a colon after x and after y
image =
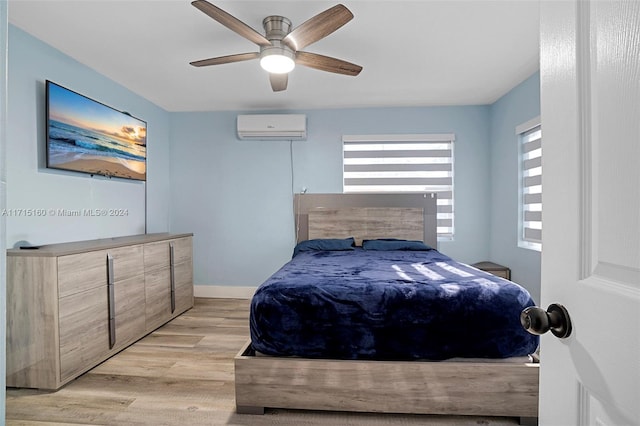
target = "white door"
x: 590, y: 101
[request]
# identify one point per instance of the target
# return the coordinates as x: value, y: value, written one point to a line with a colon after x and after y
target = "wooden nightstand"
x: 494, y: 268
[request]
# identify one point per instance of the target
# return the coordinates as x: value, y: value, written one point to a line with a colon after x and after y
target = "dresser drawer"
x: 156, y: 255
x: 81, y: 272
x: 128, y: 262
x: 84, y: 331
x: 502, y: 273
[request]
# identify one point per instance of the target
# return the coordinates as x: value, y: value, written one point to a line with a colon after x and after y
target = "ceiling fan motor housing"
x: 276, y: 28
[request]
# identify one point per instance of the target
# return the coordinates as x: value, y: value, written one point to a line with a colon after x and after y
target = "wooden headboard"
x: 366, y: 216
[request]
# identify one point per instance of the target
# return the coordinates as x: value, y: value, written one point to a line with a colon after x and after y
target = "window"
x: 403, y: 163
x: 530, y: 222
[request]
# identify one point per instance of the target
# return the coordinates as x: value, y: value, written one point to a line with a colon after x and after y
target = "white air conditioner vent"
x: 282, y: 127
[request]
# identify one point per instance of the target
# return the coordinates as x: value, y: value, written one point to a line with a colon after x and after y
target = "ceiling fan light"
x: 277, y: 61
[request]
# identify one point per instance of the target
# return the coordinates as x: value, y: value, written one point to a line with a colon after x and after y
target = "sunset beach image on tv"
x: 87, y: 136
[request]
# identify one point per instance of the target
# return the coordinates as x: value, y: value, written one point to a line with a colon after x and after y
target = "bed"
x: 317, y: 356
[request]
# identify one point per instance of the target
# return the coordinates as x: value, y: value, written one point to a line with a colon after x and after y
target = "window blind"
x: 531, y: 186
x: 403, y: 163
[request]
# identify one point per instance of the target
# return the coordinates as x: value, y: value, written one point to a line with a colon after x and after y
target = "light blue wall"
x: 521, y: 104
x: 31, y: 186
x: 236, y: 196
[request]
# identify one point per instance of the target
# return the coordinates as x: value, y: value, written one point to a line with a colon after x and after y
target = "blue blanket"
x: 388, y: 305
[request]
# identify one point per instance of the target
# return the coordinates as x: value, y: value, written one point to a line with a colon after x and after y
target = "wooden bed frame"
x: 486, y: 388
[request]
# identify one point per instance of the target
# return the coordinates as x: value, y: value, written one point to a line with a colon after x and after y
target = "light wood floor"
x: 182, y: 374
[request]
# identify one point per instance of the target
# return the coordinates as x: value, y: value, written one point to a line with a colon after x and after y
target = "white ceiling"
x: 414, y: 53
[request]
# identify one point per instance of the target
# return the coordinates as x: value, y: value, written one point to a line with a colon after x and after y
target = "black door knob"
x: 538, y: 321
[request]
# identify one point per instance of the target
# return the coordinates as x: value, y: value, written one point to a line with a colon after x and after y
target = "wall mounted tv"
x: 87, y: 136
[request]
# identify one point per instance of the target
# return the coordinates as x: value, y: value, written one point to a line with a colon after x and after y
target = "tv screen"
x: 87, y: 136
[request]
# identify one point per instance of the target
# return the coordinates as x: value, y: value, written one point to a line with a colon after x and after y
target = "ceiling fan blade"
x: 225, y: 59
x: 318, y: 27
x: 231, y: 22
x: 327, y: 63
x: 278, y: 81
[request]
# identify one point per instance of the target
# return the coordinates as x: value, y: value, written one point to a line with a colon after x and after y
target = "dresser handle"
x: 172, y: 269
x: 111, y: 301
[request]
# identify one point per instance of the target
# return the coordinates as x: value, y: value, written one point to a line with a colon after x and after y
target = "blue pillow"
x: 326, y: 244
x: 394, y: 244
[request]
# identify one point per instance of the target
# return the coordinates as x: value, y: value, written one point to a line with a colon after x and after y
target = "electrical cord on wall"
x: 291, y: 165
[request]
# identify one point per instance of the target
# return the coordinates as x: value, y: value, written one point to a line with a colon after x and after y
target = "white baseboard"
x: 223, y: 291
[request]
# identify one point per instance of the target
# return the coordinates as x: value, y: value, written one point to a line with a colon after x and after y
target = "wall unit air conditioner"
x: 283, y: 127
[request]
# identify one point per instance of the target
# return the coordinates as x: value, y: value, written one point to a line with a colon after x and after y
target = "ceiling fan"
x: 280, y: 47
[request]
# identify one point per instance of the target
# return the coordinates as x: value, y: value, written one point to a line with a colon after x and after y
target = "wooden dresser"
x: 71, y: 306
